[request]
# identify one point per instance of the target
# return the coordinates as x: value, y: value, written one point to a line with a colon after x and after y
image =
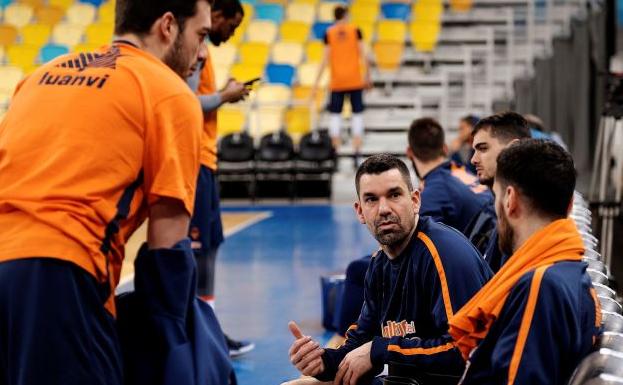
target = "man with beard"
x: 492, y: 135
x: 539, y: 315
x: 206, y: 229
x: 92, y: 144
x: 424, y: 273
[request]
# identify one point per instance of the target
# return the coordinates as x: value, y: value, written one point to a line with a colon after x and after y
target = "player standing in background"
x: 92, y: 144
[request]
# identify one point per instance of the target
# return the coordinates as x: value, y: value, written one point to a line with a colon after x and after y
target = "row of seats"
x: 22, y: 13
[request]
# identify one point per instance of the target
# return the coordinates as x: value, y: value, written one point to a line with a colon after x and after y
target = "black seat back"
x: 276, y: 147
x: 316, y: 146
x: 236, y: 147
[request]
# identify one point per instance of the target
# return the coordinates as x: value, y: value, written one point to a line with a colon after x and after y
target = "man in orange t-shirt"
x: 92, y: 144
x: 206, y: 229
x: 350, y: 75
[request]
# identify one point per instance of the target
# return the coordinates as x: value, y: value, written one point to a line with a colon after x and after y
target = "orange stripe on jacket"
x: 445, y: 292
x: 526, y: 321
x: 425, y: 351
x: 556, y: 242
x: 207, y: 86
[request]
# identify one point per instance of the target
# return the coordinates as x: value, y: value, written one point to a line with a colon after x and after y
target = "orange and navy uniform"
x: 549, y: 322
x: 207, y: 86
x: 345, y: 57
x: 408, y: 301
x: 90, y: 142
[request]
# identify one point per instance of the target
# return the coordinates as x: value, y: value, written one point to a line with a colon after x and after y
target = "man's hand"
x: 354, y: 365
x: 305, y: 353
x: 233, y: 92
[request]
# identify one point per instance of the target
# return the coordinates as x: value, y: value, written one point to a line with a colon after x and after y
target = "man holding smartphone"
x: 206, y: 230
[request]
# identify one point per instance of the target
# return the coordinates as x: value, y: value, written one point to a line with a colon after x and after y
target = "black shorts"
x: 206, y: 228
x: 337, y: 101
x: 54, y: 329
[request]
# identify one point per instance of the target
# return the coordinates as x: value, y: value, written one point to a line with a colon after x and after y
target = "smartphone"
x: 251, y: 82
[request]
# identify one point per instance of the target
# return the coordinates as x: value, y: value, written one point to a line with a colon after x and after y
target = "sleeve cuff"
x: 327, y: 374
x: 378, y: 350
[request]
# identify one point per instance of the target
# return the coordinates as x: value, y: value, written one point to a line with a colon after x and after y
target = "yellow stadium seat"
x: 33, y: 3
x: 106, y: 13
x: 314, y: 51
x: 424, y: 36
x: 254, y: 53
x: 22, y: 56
x: 265, y: 120
x: 262, y: 31
x: 311, y: 2
x: 391, y: 30
x: 461, y: 5
x: 67, y: 34
x: 85, y: 47
x: 388, y: 54
x: 280, y: 2
x: 221, y: 75
x: 305, y: 13
x: 10, y: 76
x: 301, y: 96
x: 1, y: 54
x: 294, y: 31
x: 35, y: 34
x: 230, y: 120
x: 287, y: 53
x: 99, y: 34
x: 81, y: 14
x: 223, y: 55
x: 273, y: 95
x: 239, y: 34
x: 308, y: 72
x: 364, y: 13
x: 367, y: 30
x: 61, y: 3
x: 18, y: 14
x: 429, y: 12
x: 245, y: 72
x: 49, y: 15
x: 8, y: 34
x: 371, y: 2
x: 325, y: 11
x: 298, y: 120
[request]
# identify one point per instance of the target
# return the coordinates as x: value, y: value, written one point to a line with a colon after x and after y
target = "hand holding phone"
x: 250, y: 83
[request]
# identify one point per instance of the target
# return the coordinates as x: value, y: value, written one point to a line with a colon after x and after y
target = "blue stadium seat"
x: 252, y: 2
x: 51, y: 51
x: 4, y: 3
x: 280, y: 73
x: 271, y: 12
x: 320, y: 29
x: 398, y: 11
x: 96, y: 3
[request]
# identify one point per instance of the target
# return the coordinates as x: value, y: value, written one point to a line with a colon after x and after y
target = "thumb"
x: 294, y: 329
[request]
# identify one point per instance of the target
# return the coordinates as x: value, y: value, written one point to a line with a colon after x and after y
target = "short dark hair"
x: 505, y: 126
x: 339, y: 12
x: 472, y: 120
x: 542, y: 171
x: 229, y: 8
x: 137, y: 16
x: 379, y: 163
x: 426, y: 139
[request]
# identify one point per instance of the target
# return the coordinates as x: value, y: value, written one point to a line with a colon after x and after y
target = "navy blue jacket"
x: 447, y: 199
x: 408, y: 302
x: 561, y: 332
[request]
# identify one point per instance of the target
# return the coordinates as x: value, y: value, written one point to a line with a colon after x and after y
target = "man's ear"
x: 416, y: 199
x: 445, y: 150
x: 359, y: 212
x: 409, y: 152
x: 511, y: 202
x: 168, y: 27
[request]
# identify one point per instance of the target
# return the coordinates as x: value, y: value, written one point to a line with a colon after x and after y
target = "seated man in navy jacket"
x: 448, y: 195
x: 423, y: 274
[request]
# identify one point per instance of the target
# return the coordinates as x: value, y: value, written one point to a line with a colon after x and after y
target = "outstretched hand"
x: 305, y: 353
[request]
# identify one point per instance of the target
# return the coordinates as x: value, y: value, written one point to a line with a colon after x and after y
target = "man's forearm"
x: 211, y: 102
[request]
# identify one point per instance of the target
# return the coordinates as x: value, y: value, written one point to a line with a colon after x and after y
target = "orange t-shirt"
x: 207, y: 86
x: 79, y: 131
x: 345, y: 57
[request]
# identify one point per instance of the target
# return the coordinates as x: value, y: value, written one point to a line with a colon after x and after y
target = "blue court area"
x: 269, y: 273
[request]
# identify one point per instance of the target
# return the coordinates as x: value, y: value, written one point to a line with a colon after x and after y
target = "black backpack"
x: 480, y: 229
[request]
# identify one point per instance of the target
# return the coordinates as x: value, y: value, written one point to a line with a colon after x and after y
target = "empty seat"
x: 307, y: 73
x: 388, y: 55
x: 49, y: 15
x: 597, y: 276
x: 271, y: 12
x: 612, y: 322
x: 249, y: 12
x: 424, y: 37
x: 301, y: 96
x: 245, y: 72
x: 294, y: 31
x: 99, y: 34
x: 4, y: 3
x: 274, y: 95
x: 23, y: 56
x: 265, y: 120
x: 610, y: 304
x: 611, y: 340
x: 223, y: 55
x: 52, y: 51
x: 8, y: 34
x: 35, y: 34
x: 320, y: 29
x: 67, y: 34
x: 364, y: 13
x: 81, y: 14
x: 275, y: 147
x: 1, y: 54
x: 95, y: 3
x: 106, y: 13
x: 18, y: 14
x: 604, y: 290
x: 461, y: 5
x: 367, y: 31
x: 326, y: 11
x: 239, y: 34
x: 372, y: 2
x: 250, y: 2
x: 280, y: 73
x: 263, y: 31
x: 398, y: 11
x: 596, y: 363
x: 230, y: 120
x: 221, y: 75
x: 287, y: 53
x: 61, y: 3
x: 305, y: 13
x: 298, y: 121
x: 33, y: 3
x: 311, y: 2
x: 10, y: 76
x: 254, y: 53
x: 314, y: 51
x: 391, y: 30
x: 427, y: 12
